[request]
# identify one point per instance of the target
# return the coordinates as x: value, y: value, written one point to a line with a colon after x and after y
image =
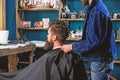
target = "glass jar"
x: 78, y: 33
x: 118, y: 33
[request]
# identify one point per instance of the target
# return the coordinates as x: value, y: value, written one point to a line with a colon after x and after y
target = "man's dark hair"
x: 60, y: 29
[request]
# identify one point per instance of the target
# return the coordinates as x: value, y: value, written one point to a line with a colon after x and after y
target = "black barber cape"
x: 54, y: 65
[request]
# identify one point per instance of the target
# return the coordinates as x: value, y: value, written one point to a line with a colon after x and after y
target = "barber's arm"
x: 95, y: 32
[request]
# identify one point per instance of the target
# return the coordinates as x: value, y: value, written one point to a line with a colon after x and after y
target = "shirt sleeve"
x: 95, y: 32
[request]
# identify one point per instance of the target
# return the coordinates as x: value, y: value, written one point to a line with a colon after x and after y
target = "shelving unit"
x: 38, y: 9
x: 20, y: 16
x: 33, y: 28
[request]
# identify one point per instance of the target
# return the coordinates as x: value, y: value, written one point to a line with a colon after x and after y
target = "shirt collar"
x: 86, y: 8
x: 91, y: 5
x: 56, y: 47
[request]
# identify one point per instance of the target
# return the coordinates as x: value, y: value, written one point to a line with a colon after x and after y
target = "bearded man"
x: 55, y: 64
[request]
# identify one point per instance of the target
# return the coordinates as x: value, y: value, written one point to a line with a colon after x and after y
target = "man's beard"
x: 48, y: 45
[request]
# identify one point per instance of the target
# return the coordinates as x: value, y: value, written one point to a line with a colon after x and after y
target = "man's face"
x: 49, y: 41
x: 85, y: 2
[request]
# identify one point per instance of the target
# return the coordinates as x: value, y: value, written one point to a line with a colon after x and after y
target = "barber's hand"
x: 66, y: 48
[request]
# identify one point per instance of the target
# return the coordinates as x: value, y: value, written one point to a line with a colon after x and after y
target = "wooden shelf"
x: 73, y: 39
x: 68, y: 19
x: 117, y: 61
x: 117, y: 40
x: 33, y: 28
x: 38, y: 9
x: 118, y: 19
x: 81, y: 19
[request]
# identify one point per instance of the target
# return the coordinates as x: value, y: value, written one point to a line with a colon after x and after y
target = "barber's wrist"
x: 71, y: 46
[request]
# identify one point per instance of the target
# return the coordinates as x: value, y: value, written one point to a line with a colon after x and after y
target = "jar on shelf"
x: 56, y: 4
x: 115, y: 15
x: 81, y: 14
x: 23, y: 3
x: 65, y: 15
x: 78, y: 33
x: 72, y: 34
x: 74, y: 15
x: 118, y: 33
x: 118, y: 15
x: 25, y: 24
x: 115, y: 34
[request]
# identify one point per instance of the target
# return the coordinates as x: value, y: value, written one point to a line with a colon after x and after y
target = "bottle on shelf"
x: 81, y: 14
x: 72, y: 34
x: 118, y: 33
x: 78, y: 33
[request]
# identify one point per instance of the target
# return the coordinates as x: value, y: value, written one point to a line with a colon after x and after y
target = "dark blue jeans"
x: 101, y: 70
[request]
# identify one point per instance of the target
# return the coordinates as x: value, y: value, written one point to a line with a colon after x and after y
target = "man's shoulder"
x: 50, y: 53
x: 73, y: 58
x: 100, y: 9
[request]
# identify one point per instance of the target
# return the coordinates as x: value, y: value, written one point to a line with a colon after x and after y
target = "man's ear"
x: 54, y: 37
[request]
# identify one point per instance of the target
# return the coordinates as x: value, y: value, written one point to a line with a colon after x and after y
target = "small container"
x: 118, y: 33
x: 118, y: 15
x: 81, y: 14
x: 115, y: 16
x: 111, y: 15
x: 63, y: 15
x: 78, y: 33
x: 72, y: 34
x: 25, y: 24
x: 74, y: 15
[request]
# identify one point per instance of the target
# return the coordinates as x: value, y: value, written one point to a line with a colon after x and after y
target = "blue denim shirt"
x: 98, y: 41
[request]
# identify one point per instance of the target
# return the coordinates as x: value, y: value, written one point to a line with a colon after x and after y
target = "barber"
x: 97, y: 45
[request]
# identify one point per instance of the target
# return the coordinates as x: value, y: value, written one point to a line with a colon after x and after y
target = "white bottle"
x: 118, y: 33
x: 72, y: 34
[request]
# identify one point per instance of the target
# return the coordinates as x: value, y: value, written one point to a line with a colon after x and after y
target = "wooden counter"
x: 12, y: 52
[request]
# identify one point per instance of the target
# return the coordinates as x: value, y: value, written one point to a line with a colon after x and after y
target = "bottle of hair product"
x: 78, y: 32
x: 118, y: 33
